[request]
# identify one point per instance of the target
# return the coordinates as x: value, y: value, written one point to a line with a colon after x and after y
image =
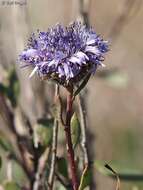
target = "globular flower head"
x: 64, y: 54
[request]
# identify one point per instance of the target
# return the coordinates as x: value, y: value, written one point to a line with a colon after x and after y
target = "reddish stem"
x: 69, y: 141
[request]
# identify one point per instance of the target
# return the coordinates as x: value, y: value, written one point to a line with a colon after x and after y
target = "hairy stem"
x: 70, y: 150
x: 54, y: 145
x: 83, y: 129
x: 85, y: 138
x: 54, y: 153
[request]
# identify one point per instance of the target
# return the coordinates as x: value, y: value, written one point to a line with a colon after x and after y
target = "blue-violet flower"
x: 64, y: 54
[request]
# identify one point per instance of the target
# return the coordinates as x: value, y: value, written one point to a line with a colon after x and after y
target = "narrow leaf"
x: 117, y: 177
x: 13, y: 88
x: 44, y: 131
x: 127, y: 173
x: 85, y: 178
x: 5, y: 144
x: 75, y: 130
x: 2, y: 88
x: 0, y: 162
x: 82, y: 85
x: 62, y: 167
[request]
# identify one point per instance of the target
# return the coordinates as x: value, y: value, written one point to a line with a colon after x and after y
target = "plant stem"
x: 70, y: 150
x: 54, y: 145
x: 83, y: 130
x: 54, y: 153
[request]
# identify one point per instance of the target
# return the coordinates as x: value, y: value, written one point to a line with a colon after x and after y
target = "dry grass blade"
x: 117, y: 176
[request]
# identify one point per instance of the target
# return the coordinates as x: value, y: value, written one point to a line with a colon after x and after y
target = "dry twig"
x: 54, y: 146
x: 83, y: 129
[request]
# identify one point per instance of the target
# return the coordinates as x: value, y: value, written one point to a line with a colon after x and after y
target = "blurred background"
x: 114, y: 96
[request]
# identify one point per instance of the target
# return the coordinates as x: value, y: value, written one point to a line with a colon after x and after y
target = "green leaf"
x: 44, y: 131
x: 61, y: 187
x: 82, y: 85
x: 0, y: 162
x: 13, y: 88
x: 18, y: 174
x: 75, y: 130
x: 5, y: 144
x: 124, y: 172
x: 99, y: 165
x: 2, y: 88
x: 11, y: 185
x: 85, y: 178
x: 115, y: 174
x: 62, y: 167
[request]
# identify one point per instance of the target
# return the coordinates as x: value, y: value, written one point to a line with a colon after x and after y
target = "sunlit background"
x: 114, y: 96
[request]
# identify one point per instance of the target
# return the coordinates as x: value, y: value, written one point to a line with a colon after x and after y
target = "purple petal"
x: 67, y: 71
x: 61, y: 71
x: 53, y: 62
x: 29, y: 53
x: 90, y: 41
x: 43, y: 63
x: 33, y: 72
x: 80, y: 54
x: 71, y: 72
x: 93, y: 50
x: 74, y: 59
